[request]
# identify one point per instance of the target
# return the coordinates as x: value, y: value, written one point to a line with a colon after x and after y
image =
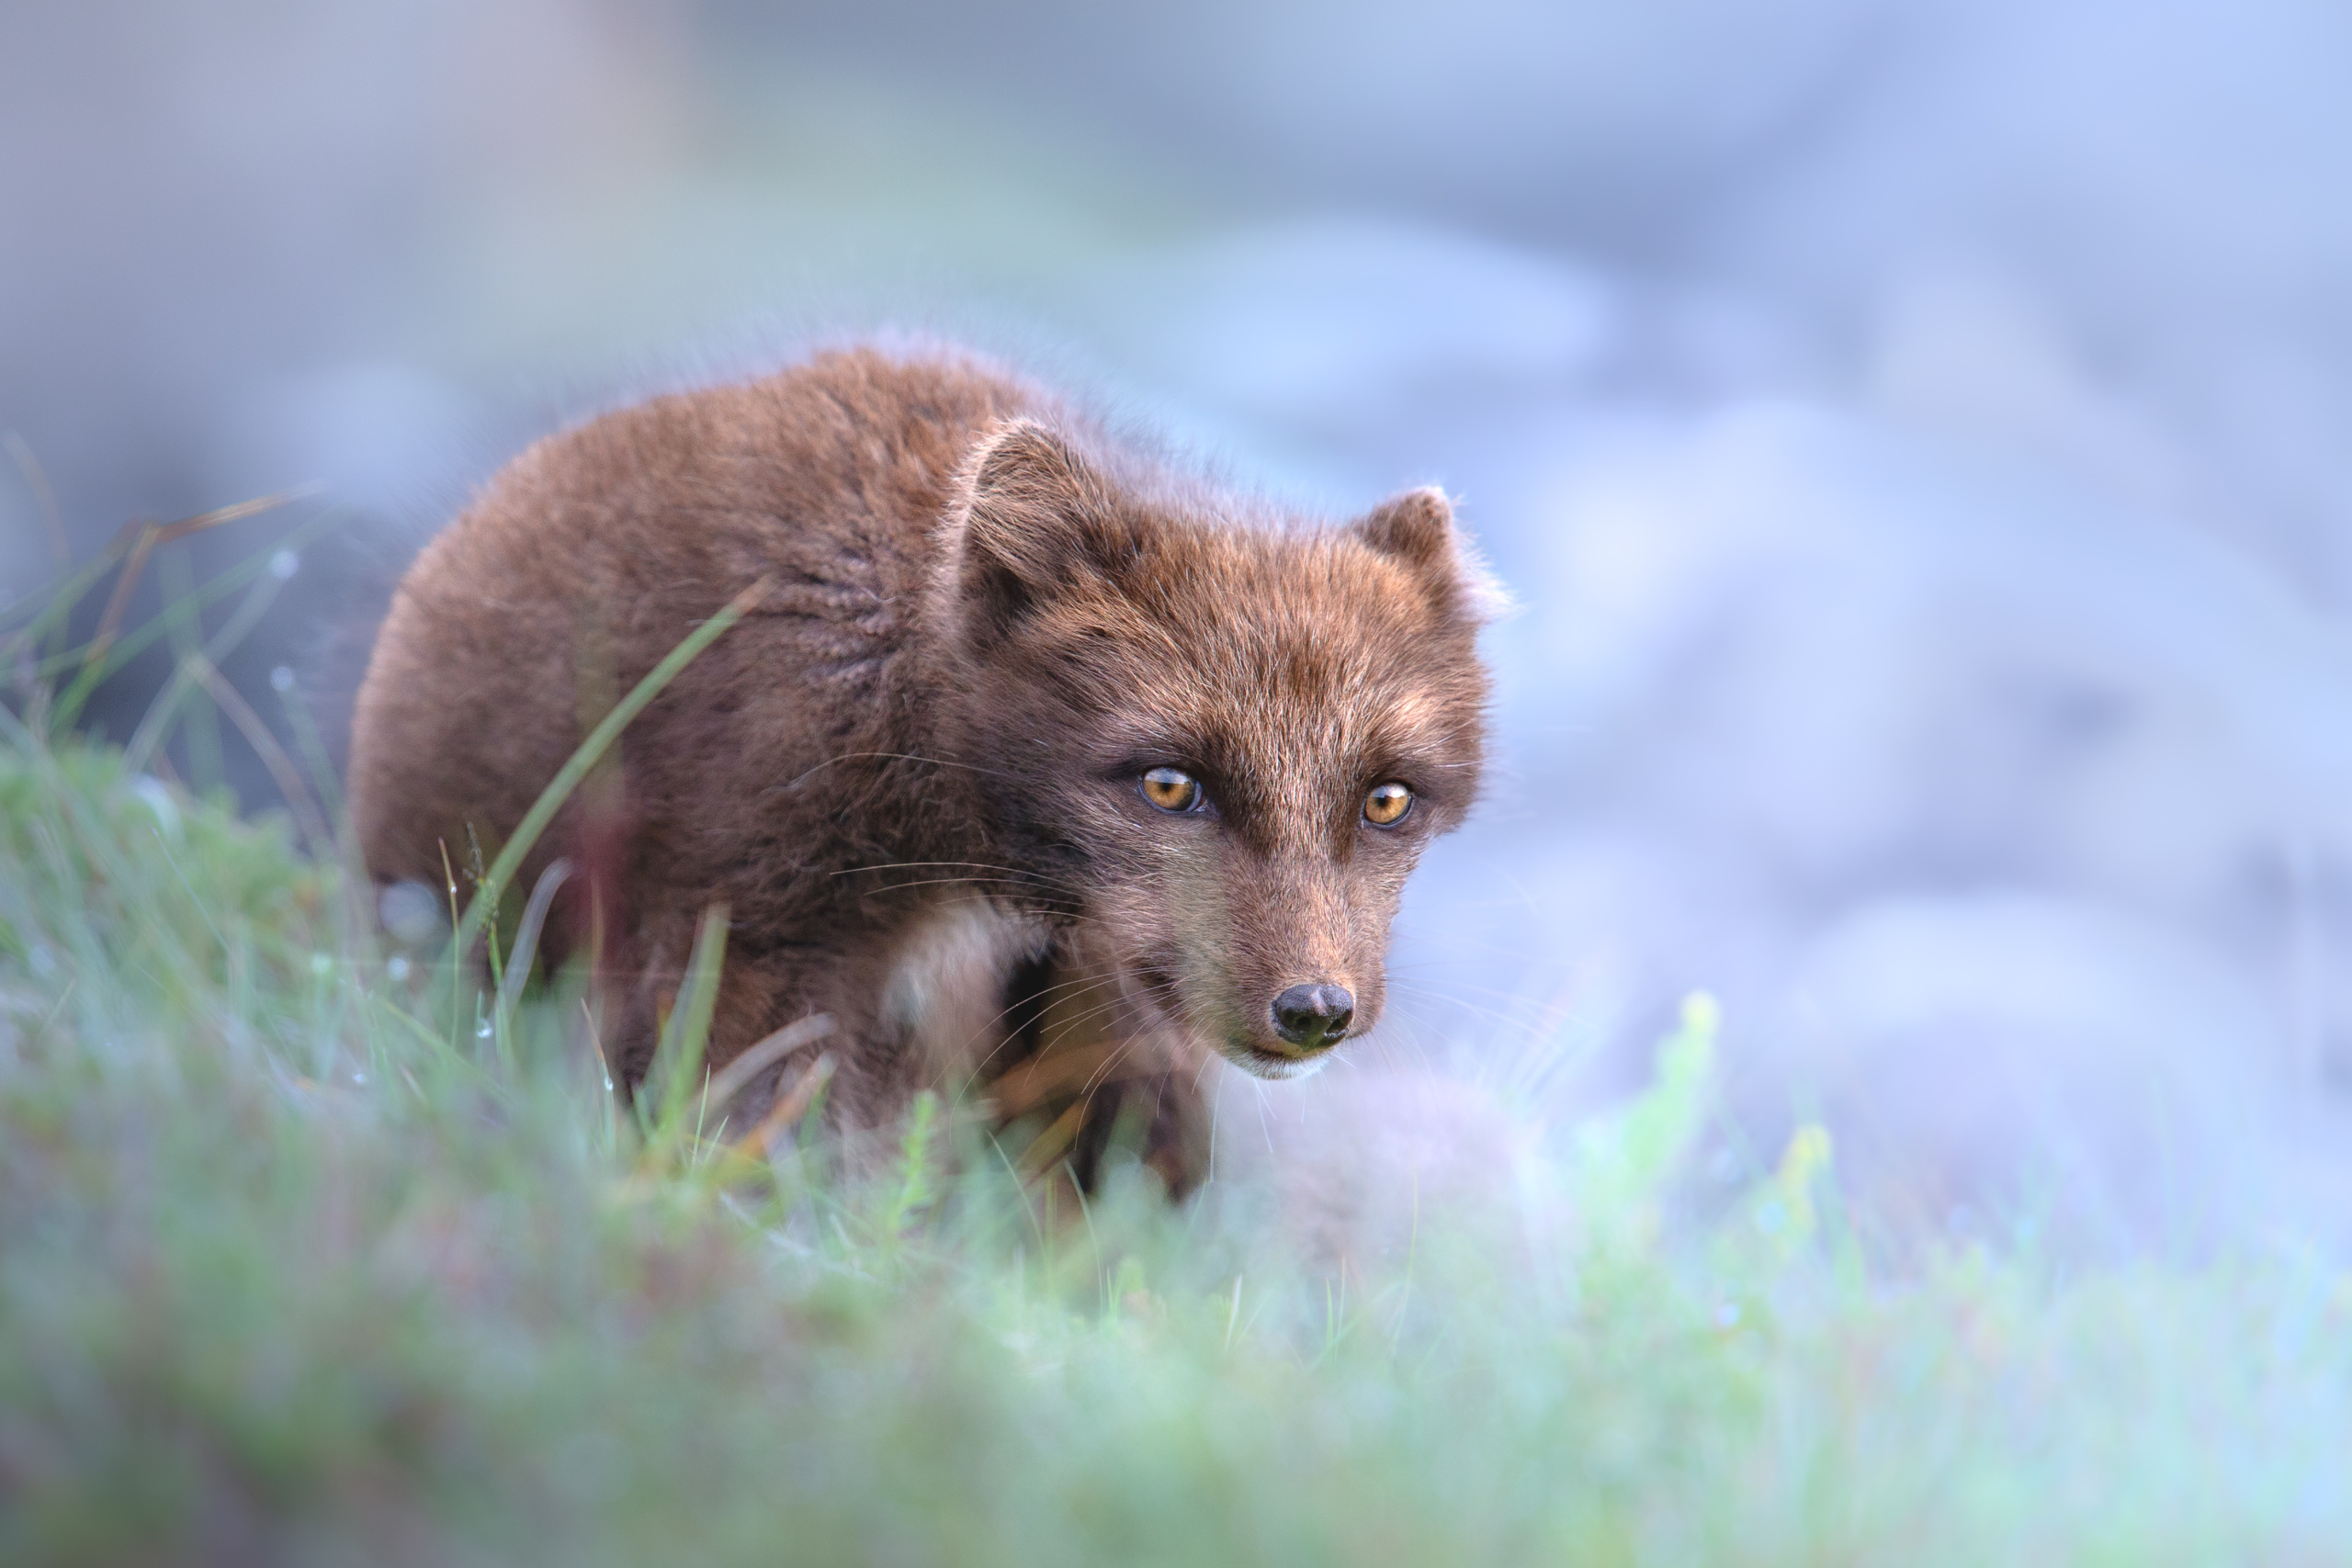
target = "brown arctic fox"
x: 1045, y: 770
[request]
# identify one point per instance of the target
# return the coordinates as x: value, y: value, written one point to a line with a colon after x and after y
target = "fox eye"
x: 1171, y: 790
x: 1387, y: 805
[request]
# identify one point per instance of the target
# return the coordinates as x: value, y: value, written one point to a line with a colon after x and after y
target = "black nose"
x: 1313, y: 1016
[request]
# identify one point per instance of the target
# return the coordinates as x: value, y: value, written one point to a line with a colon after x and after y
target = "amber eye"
x: 1387, y: 805
x: 1171, y: 790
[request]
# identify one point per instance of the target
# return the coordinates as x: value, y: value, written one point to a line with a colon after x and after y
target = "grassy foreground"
x: 304, y: 1259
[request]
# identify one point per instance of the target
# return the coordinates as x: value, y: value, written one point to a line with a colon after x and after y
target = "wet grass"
x: 305, y: 1258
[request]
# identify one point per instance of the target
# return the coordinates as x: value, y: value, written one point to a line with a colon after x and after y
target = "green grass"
x: 302, y: 1261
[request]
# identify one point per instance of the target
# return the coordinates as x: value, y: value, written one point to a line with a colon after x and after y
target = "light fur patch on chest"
x: 944, y: 996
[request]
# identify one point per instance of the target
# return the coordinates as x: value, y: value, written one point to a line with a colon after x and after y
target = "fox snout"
x: 1286, y: 1019
x: 1286, y: 961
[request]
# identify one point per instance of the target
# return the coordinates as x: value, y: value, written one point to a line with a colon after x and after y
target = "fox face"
x: 1213, y: 750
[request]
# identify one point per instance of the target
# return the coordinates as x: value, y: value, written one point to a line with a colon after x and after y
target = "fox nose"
x: 1314, y: 1016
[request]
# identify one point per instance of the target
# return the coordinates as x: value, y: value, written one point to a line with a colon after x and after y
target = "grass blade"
x: 678, y: 1059
x: 518, y: 844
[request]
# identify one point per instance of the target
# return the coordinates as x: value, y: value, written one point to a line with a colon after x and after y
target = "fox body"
x: 1040, y: 765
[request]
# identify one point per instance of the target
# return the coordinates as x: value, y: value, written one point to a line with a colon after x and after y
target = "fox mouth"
x: 1262, y: 1063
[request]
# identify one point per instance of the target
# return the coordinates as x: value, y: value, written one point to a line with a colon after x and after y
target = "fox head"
x: 1217, y: 747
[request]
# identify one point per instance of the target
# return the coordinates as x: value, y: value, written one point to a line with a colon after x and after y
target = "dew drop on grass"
x: 412, y: 914
x: 397, y: 967
x: 284, y: 564
x: 282, y: 679
x: 482, y: 1029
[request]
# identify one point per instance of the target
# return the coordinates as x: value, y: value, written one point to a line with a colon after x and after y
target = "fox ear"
x: 1036, y: 515
x: 1417, y: 530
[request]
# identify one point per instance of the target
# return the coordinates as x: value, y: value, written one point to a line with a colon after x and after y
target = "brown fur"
x: 911, y: 774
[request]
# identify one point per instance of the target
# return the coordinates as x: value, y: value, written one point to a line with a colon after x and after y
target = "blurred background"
x: 1918, y: 433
